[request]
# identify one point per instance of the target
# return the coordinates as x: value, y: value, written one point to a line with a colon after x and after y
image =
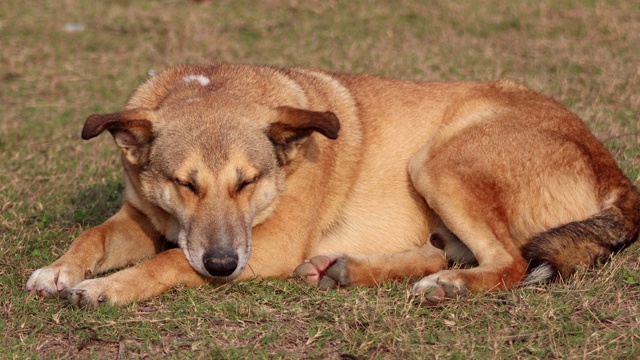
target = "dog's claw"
x: 81, y: 299
x: 76, y: 296
x: 90, y: 294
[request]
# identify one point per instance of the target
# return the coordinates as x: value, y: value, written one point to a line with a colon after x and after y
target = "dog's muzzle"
x: 220, y: 262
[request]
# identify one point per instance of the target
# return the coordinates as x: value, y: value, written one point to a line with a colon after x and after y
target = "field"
x: 61, y: 61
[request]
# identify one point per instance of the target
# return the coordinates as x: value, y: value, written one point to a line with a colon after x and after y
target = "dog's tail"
x: 559, y: 251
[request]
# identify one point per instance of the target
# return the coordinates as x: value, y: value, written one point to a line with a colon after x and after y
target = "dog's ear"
x: 294, y: 126
x: 131, y: 130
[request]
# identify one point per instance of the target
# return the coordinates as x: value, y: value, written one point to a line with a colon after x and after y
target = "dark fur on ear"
x: 131, y: 130
x: 294, y: 126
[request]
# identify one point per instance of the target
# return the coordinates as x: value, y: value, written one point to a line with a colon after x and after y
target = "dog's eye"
x: 186, y: 184
x: 246, y: 183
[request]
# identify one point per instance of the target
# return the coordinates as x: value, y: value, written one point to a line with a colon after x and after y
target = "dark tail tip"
x: 580, y: 243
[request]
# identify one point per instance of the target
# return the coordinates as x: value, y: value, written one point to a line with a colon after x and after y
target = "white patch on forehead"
x: 203, y: 80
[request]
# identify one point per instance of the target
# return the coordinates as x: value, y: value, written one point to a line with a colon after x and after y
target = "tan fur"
x: 343, y: 180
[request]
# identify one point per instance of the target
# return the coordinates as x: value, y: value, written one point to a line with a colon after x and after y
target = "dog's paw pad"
x: 324, y: 271
x: 339, y: 272
x: 436, y: 291
x: 327, y: 283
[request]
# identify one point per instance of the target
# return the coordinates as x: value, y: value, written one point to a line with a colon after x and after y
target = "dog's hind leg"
x: 125, y: 238
x: 470, y: 203
x: 334, y: 270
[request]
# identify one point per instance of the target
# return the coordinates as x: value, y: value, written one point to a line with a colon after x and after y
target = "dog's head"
x: 215, y: 164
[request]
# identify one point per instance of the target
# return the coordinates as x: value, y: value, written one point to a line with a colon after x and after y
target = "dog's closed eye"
x: 186, y: 184
x: 246, y: 182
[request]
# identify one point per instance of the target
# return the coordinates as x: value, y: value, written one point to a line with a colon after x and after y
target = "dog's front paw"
x: 54, y: 280
x: 90, y: 294
x: 437, y: 288
x: 325, y: 271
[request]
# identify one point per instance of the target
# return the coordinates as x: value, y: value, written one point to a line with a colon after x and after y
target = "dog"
x: 344, y: 180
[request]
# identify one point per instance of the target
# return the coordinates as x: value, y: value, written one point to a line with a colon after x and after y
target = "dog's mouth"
x: 218, y: 261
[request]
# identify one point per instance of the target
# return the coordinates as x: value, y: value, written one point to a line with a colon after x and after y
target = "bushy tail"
x: 558, y: 251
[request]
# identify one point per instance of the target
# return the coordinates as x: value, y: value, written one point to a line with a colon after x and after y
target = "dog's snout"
x: 220, y: 262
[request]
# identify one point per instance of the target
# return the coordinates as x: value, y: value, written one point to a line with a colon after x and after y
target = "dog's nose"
x: 220, y: 262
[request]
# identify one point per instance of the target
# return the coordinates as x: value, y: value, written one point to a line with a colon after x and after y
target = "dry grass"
x: 52, y: 185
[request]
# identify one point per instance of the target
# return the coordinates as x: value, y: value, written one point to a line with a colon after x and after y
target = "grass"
x: 53, y: 185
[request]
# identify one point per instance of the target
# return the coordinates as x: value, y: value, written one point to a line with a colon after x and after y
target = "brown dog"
x: 251, y: 170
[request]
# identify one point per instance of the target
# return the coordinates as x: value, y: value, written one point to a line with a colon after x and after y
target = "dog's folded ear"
x: 294, y: 126
x: 131, y: 130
